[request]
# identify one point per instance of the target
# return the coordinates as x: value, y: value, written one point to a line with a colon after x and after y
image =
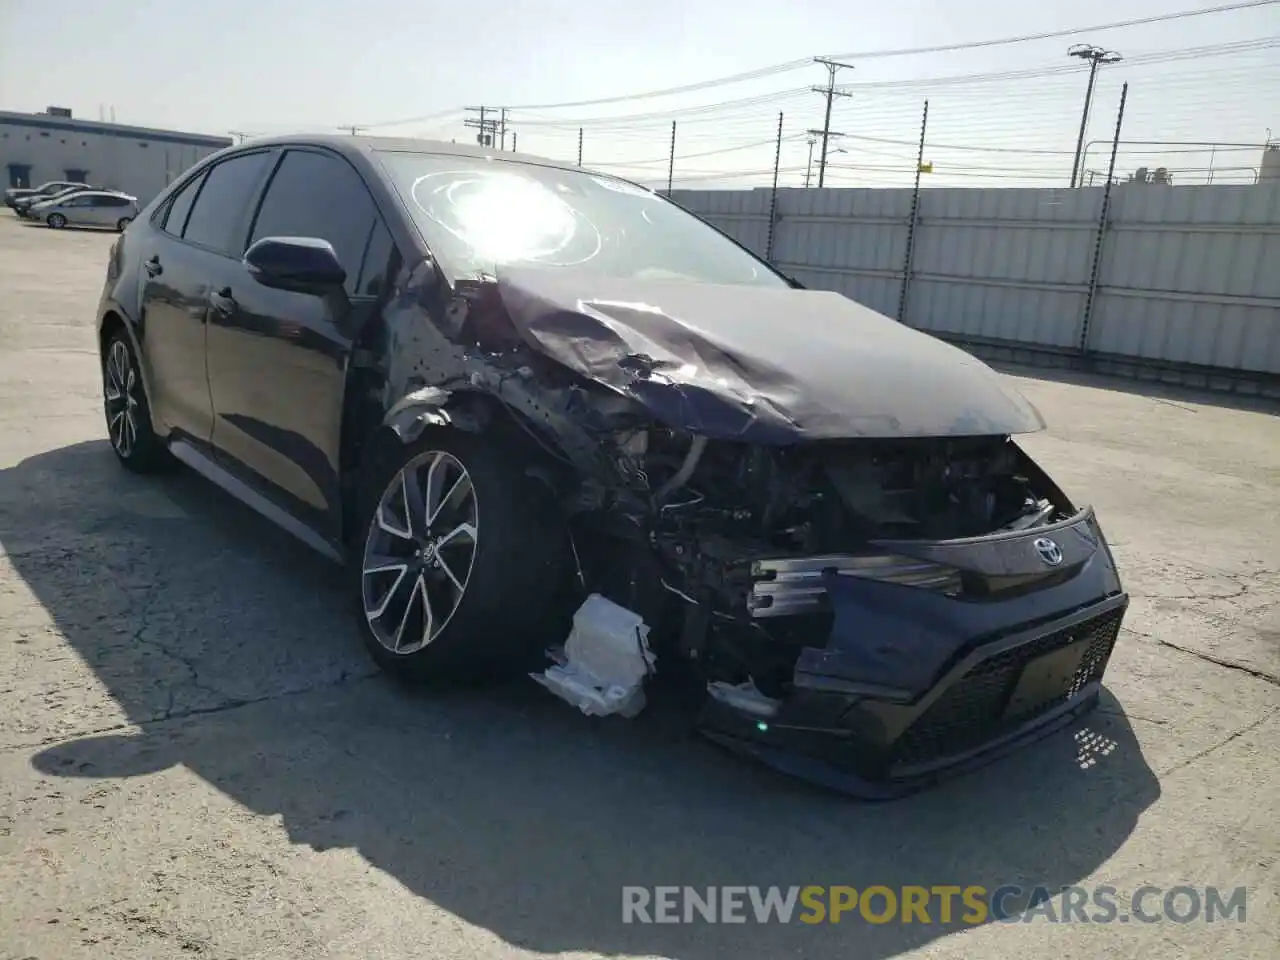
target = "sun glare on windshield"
x: 503, y: 217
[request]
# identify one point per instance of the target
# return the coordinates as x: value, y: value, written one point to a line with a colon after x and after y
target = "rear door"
x: 202, y: 227
x: 98, y: 210
x: 111, y: 210
x: 278, y: 359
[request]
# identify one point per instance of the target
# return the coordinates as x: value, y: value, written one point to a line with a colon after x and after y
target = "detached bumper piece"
x: 1003, y: 693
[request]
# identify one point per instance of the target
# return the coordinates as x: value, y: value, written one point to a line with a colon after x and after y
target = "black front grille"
x: 981, y: 705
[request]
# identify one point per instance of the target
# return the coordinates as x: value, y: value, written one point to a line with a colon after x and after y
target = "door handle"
x: 153, y: 267
x: 222, y: 302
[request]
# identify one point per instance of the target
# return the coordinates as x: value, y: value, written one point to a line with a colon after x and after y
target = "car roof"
x: 350, y: 145
x: 104, y: 193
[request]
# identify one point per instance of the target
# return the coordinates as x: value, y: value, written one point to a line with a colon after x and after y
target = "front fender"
x: 430, y: 406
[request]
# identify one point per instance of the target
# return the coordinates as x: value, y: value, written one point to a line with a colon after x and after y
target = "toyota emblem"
x: 1049, y: 551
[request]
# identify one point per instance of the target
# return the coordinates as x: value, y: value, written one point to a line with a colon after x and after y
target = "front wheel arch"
x: 516, y: 598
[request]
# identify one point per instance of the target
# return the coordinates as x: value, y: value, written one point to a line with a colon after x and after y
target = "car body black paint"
x: 259, y: 377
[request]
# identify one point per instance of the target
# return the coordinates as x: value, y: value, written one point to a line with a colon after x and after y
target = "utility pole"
x: 513, y: 142
x: 830, y: 92
x: 579, y: 146
x: 1095, y: 56
x: 502, y: 129
x: 486, y: 125
x: 239, y: 135
x: 808, y: 170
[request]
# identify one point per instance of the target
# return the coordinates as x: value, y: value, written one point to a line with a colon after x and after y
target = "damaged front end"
x: 830, y: 531
x: 872, y: 613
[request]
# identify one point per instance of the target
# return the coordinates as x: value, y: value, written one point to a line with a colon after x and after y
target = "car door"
x: 108, y: 210
x: 277, y: 358
x: 96, y: 210
x: 75, y: 209
x: 200, y: 227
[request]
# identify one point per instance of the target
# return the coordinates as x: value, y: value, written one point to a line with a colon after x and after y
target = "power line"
x: 693, y: 156
x: 1056, y: 34
x: 795, y: 93
x: 791, y: 65
x: 424, y: 118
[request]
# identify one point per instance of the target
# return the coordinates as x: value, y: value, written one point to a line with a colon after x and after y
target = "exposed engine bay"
x: 722, y: 517
x: 837, y: 495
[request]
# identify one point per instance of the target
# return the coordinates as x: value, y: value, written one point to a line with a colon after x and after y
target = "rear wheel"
x: 128, y: 414
x: 462, y: 565
x: 56, y: 220
x: 121, y: 224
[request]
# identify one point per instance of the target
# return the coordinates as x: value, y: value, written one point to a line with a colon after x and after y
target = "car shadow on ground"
x: 70, y: 227
x: 504, y: 807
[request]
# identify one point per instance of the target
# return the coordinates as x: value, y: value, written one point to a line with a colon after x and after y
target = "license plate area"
x: 1045, y: 679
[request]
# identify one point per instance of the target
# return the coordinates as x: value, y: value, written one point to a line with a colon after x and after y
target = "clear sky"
x: 268, y: 66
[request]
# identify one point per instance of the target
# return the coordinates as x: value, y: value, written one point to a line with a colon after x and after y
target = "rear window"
x: 219, y: 217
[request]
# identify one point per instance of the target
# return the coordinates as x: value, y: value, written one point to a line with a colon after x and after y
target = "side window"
x: 219, y: 212
x: 180, y: 206
x: 318, y: 195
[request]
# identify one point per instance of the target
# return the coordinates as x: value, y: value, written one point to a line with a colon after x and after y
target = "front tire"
x: 56, y: 220
x: 462, y: 564
x: 128, y: 413
x: 121, y: 224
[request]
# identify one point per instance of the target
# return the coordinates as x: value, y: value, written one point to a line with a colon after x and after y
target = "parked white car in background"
x: 95, y: 208
x: 50, y: 189
x: 22, y: 206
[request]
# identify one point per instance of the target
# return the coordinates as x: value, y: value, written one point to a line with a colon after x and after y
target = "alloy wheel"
x: 120, y: 393
x: 419, y: 552
x: 57, y: 221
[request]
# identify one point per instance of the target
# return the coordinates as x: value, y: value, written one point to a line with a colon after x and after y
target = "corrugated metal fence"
x: 1185, y: 280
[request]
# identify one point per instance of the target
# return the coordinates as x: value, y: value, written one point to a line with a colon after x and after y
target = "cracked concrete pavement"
x: 197, y: 759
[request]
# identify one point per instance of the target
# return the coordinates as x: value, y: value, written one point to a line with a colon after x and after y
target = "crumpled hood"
x: 760, y: 364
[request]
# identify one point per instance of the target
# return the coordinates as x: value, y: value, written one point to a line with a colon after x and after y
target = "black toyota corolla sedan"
x: 500, y: 389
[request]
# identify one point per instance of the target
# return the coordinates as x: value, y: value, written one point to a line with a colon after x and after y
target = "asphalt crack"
x: 1208, y: 657
x: 346, y: 678
x: 140, y: 637
x: 1208, y: 751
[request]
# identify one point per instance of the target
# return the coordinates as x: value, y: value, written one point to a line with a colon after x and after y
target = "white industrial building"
x: 37, y: 147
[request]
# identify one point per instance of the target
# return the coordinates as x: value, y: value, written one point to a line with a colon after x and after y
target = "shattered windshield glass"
x: 479, y: 214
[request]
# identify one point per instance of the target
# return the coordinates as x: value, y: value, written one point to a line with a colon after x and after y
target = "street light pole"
x: 1095, y: 56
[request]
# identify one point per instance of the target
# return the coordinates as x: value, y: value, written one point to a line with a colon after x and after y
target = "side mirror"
x: 302, y: 264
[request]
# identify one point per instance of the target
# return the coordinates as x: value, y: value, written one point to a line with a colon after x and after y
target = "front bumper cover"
x: 914, y: 686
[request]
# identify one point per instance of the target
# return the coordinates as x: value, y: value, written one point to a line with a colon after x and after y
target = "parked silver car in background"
x: 95, y: 208
x: 44, y: 191
x: 23, y: 205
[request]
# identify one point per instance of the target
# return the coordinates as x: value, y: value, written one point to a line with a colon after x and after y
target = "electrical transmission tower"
x: 830, y: 92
